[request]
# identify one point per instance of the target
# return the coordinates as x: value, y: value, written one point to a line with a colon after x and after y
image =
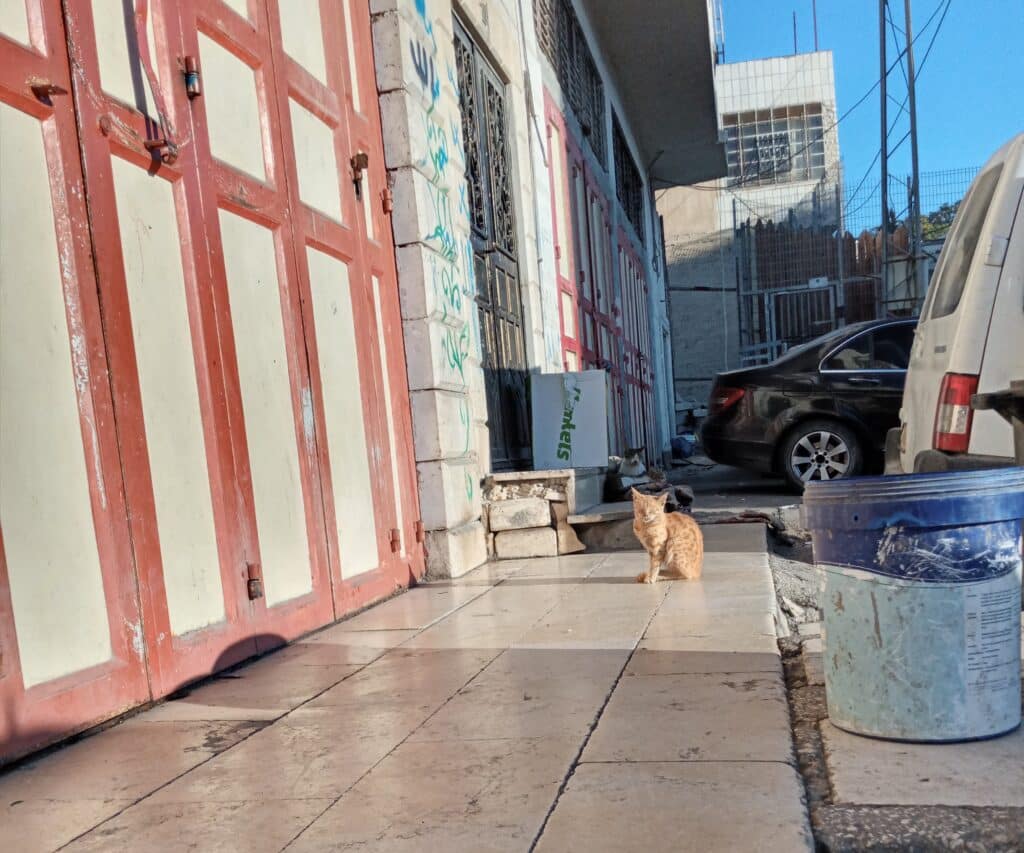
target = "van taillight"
x: 954, y: 416
x: 725, y: 398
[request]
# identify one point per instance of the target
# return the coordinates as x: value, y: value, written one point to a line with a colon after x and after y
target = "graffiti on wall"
x: 451, y: 266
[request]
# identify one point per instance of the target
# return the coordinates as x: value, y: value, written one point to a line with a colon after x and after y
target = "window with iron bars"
x: 781, y: 145
x: 628, y: 185
x: 563, y: 42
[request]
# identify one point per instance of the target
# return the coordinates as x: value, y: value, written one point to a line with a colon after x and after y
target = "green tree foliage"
x: 935, y: 224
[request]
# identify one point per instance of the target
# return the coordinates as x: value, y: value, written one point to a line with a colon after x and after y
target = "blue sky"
x: 970, y: 96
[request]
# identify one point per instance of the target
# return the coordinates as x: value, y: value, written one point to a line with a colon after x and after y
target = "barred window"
x: 628, y: 185
x: 776, y: 146
x: 563, y: 42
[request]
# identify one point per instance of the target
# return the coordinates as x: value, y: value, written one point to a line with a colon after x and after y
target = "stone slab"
x: 680, y: 807
x: 479, y: 796
x: 654, y: 662
x: 255, y: 827
x: 871, y: 771
x: 127, y: 761
x: 741, y: 538
x: 520, y: 544
x: 413, y: 610
x: 518, y: 514
x: 568, y: 541
x: 711, y: 717
x: 603, y: 512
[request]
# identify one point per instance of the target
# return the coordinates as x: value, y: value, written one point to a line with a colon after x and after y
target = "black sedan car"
x: 820, y: 412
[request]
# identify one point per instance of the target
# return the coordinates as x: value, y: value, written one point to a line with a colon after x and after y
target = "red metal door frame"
x: 111, y: 129
x: 638, y: 368
x: 564, y: 242
x: 595, y: 300
x: 39, y: 714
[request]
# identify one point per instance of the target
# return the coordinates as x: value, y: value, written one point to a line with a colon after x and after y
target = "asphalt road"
x: 721, y: 487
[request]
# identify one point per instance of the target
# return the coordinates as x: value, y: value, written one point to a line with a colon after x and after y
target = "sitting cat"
x: 672, y: 540
x: 632, y: 464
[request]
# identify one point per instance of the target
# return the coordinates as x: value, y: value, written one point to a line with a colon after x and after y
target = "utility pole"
x: 794, y: 33
x: 814, y: 11
x: 883, y: 79
x: 914, y: 200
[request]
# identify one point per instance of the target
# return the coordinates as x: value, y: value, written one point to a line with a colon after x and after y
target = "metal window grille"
x: 495, y: 262
x: 628, y: 185
x: 563, y: 42
x: 775, y: 146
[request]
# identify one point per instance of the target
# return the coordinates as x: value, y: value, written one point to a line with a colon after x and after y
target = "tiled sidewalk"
x: 553, y: 704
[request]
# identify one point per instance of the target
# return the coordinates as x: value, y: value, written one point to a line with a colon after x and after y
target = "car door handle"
x: 864, y: 380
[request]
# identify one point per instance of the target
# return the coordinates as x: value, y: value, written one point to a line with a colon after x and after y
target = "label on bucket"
x: 992, y: 635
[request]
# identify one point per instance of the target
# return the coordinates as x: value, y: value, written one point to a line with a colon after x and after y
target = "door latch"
x: 45, y: 89
x: 396, y: 539
x: 359, y: 162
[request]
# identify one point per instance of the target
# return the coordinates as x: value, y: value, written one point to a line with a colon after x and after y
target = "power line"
x: 944, y: 5
x: 896, y: 41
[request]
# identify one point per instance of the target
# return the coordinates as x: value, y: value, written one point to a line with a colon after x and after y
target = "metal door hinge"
x: 419, y: 531
x: 359, y: 162
x: 396, y: 539
x: 254, y: 582
x: 387, y: 200
x: 193, y: 80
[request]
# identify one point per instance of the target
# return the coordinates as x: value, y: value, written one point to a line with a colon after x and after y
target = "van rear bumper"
x: 934, y: 461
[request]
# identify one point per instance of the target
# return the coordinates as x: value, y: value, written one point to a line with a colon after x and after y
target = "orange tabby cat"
x: 671, y: 539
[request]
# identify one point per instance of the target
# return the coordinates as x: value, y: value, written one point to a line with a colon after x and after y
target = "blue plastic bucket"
x: 921, y: 593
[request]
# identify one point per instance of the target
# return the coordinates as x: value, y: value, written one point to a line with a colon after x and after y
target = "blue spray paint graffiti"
x: 452, y: 267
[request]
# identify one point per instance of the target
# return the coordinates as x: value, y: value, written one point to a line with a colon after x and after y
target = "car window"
x: 957, y: 254
x: 887, y: 348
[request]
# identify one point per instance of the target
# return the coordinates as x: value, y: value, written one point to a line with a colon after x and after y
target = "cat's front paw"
x: 645, y: 578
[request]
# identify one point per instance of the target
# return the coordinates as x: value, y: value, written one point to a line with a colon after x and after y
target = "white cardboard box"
x: 570, y: 420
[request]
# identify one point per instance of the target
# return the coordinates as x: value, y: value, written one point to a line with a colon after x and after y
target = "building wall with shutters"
x: 588, y: 130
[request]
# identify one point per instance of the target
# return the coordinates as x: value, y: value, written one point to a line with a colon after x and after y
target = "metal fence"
x: 808, y: 265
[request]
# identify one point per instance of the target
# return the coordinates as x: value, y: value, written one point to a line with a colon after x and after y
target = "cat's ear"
x: 663, y: 498
x: 635, y: 494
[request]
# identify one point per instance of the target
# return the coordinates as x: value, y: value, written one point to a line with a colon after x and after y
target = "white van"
x: 970, y: 337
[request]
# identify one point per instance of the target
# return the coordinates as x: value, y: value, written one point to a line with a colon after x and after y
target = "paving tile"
x: 478, y: 796
x: 519, y: 664
x: 41, y: 826
x: 694, y: 717
x: 310, y: 753
x: 683, y: 807
x: 337, y: 644
x: 676, y: 623
x: 652, y: 662
x: 219, y: 827
x: 713, y: 641
x: 423, y: 678
x: 734, y: 538
x: 263, y: 690
x: 713, y: 598
x: 415, y: 609
x: 124, y: 762
x: 493, y: 621
x: 870, y: 771
x: 519, y: 708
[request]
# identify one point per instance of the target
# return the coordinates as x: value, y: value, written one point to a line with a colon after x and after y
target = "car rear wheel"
x: 820, y: 450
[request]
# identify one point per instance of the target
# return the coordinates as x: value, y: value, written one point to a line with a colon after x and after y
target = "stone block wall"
x: 419, y: 102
